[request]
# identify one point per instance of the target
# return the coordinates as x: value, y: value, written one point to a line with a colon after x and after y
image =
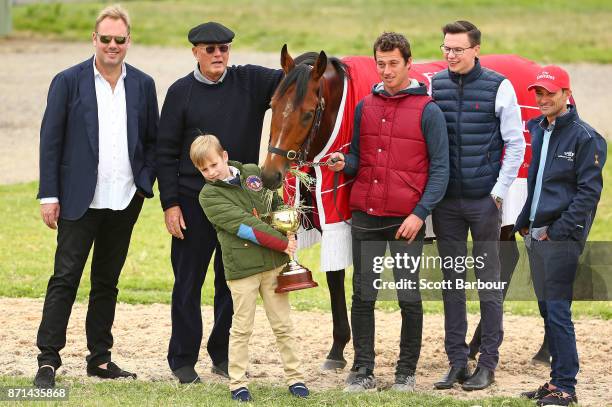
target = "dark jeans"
x: 452, y: 219
x: 190, y: 259
x: 366, y: 245
x: 553, y: 271
x: 109, y: 232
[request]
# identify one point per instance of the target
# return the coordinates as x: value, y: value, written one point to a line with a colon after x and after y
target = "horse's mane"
x: 300, y: 75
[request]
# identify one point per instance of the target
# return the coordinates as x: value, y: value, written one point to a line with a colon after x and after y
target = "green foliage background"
x: 555, y: 30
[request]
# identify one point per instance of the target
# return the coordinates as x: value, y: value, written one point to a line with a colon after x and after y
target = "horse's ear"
x: 286, y: 60
x: 319, y: 66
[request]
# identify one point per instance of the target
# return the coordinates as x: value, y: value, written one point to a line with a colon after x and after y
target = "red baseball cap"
x: 552, y: 78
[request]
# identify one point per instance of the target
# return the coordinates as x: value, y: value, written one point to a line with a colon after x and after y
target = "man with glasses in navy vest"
x: 483, y: 119
x: 229, y: 102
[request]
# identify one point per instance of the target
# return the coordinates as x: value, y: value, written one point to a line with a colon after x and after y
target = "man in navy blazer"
x: 97, y: 152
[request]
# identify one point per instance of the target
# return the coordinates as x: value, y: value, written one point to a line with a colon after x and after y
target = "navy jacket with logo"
x: 572, y: 179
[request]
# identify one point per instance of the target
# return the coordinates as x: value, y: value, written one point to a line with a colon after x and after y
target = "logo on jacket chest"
x: 568, y: 155
x: 254, y: 183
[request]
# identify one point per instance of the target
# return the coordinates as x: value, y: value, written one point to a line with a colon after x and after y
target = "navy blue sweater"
x: 232, y: 110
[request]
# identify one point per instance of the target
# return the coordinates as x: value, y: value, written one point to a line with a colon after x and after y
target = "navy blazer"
x: 69, y: 137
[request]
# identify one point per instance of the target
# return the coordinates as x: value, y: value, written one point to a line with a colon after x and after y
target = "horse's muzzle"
x: 272, y: 179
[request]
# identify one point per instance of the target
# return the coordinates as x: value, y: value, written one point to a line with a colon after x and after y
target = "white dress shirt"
x: 115, y: 184
x: 511, y: 128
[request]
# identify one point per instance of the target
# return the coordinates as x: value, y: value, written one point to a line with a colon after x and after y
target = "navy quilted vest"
x: 475, y: 143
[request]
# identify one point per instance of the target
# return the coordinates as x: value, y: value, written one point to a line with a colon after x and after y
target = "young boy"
x: 253, y: 255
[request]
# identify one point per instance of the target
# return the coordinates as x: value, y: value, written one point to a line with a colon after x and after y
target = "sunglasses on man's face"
x: 106, y: 39
x: 210, y: 49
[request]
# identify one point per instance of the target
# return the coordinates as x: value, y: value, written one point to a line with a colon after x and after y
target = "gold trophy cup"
x: 294, y: 276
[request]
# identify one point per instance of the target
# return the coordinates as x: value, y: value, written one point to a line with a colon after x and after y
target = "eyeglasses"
x: 210, y: 49
x: 457, y: 51
x: 106, y: 39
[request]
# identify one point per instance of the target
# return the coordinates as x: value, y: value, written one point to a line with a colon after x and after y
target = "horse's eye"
x: 306, y: 118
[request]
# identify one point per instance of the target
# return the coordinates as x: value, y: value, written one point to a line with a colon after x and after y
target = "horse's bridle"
x: 301, y: 154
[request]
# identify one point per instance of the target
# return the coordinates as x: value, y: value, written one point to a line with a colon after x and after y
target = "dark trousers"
x: 452, y: 219
x: 109, y: 232
x: 190, y: 259
x: 553, y: 271
x: 367, y: 245
x: 508, y: 258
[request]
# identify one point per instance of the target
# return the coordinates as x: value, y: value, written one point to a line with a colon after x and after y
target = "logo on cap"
x: 545, y: 75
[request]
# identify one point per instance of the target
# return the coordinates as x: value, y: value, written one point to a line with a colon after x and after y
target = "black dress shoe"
x: 481, y: 379
x: 112, y: 371
x: 186, y: 375
x: 454, y: 375
x: 220, y: 369
x: 45, y: 377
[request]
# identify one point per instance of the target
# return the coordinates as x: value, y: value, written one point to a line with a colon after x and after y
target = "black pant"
x: 366, y: 245
x: 452, y: 219
x: 109, y: 232
x: 508, y: 258
x: 190, y: 259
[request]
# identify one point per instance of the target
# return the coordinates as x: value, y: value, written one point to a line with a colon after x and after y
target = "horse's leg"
x: 342, y: 330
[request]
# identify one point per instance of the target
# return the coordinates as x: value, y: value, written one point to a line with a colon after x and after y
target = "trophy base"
x: 294, y: 280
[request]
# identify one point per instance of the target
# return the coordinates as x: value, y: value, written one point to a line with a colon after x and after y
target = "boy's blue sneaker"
x: 299, y: 390
x: 241, y: 394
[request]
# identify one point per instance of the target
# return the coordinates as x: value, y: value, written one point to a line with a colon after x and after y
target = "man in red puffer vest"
x: 399, y: 157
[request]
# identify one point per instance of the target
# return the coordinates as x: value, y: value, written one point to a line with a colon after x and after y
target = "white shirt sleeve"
x: 48, y: 200
x: 511, y: 127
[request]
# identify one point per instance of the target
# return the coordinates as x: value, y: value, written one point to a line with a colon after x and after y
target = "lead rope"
x: 335, y: 190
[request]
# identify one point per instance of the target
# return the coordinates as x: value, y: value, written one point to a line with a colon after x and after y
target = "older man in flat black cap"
x: 229, y: 102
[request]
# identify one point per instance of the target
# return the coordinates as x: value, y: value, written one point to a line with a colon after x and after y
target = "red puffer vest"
x: 393, y: 158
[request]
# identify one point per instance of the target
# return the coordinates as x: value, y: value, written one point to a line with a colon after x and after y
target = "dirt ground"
x: 142, y: 331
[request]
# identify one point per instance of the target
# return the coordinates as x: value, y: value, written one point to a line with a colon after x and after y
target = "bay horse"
x: 305, y: 108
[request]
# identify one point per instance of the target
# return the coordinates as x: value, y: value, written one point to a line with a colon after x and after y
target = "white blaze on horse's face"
x: 288, y: 110
x: 285, y: 123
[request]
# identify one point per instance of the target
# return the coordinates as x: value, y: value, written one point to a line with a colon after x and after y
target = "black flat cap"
x: 210, y: 33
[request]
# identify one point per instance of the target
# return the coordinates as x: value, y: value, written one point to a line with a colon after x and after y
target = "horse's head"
x: 297, y: 109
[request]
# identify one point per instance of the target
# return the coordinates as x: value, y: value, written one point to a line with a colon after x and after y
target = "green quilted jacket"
x: 248, y: 244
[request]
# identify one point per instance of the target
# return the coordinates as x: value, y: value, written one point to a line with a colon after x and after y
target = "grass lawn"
x: 28, y: 246
x: 141, y: 393
x: 344, y: 27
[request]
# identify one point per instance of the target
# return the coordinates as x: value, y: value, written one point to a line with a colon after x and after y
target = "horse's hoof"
x: 350, y: 377
x: 332, y: 364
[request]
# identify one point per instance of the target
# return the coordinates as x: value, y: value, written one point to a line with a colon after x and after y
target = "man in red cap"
x: 564, y: 186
